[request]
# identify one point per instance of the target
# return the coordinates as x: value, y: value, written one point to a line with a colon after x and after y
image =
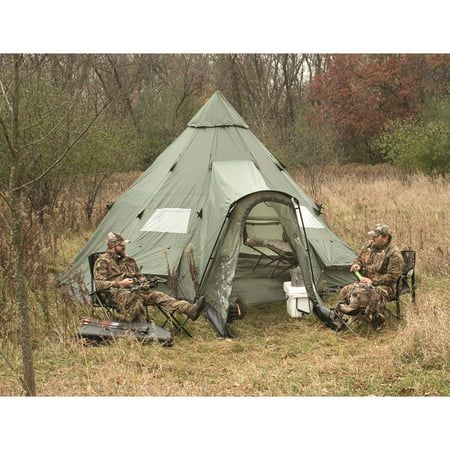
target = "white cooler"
x: 297, y: 301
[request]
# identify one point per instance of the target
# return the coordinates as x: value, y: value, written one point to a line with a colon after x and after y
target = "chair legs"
x: 355, y: 321
x: 413, y: 288
x: 397, y: 307
x: 106, y: 310
x: 177, y: 325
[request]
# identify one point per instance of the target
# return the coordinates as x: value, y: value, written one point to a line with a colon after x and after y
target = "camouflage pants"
x: 360, y: 297
x: 132, y: 304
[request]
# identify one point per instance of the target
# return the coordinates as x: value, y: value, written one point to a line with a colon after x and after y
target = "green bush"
x: 420, y: 144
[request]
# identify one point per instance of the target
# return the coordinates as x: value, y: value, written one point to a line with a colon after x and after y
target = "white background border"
x: 205, y: 26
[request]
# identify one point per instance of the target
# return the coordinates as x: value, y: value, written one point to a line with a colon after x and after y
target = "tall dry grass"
x: 274, y: 355
x: 53, y: 237
x: 417, y: 209
x: 425, y: 340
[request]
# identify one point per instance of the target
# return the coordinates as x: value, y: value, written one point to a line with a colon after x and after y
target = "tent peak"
x: 217, y: 112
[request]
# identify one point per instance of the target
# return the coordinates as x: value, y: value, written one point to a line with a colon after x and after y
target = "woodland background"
x: 70, y: 125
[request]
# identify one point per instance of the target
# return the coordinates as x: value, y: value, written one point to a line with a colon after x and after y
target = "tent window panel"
x: 309, y: 220
x: 168, y: 220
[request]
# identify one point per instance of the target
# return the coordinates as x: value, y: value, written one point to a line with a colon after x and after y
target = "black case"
x: 104, y: 330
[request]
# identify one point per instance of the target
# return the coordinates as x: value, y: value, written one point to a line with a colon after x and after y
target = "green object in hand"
x: 357, y: 275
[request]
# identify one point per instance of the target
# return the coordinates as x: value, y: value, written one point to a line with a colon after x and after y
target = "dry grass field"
x: 274, y: 355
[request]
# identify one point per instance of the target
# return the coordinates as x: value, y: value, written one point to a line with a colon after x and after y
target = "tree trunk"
x: 20, y: 288
x: 16, y: 236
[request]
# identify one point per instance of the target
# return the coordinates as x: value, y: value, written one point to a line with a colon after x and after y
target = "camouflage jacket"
x: 382, y: 265
x: 108, y: 269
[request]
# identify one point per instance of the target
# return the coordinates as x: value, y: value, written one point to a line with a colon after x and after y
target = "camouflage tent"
x: 215, y: 185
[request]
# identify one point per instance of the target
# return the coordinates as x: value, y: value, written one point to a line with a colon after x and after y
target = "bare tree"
x: 15, y: 152
x: 14, y: 200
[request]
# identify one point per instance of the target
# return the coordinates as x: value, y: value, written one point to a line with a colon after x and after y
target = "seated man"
x: 116, y: 271
x: 380, y: 263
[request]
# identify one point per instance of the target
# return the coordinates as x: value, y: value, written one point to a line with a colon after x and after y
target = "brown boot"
x: 198, y: 307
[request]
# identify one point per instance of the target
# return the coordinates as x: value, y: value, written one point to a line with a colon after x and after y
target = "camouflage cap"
x: 380, y: 230
x: 114, y: 239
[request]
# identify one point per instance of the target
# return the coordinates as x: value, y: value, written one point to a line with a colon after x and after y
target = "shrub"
x: 422, y: 143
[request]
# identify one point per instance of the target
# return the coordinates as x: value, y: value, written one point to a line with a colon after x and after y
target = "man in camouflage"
x: 380, y: 264
x: 116, y: 271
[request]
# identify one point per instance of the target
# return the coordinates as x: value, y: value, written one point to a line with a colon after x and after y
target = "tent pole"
x: 328, y: 316
x: 208, y: 270
x: 298, y: 213
x: 214, y: 250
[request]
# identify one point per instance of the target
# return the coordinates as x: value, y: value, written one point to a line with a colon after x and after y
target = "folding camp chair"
x: 355, y: 321
x: 368, y: 315
x: 283, y: 258
x: 406, y: 283
x: 177, y: 325
x: 102, y: 298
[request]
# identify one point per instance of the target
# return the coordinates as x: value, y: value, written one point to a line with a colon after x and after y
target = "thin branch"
x: 44, y: 116
x: 3, y: 186
x: 25, y: 233
x: 8, y: 140
x: 19, y: 378
x: 123, y: 92
x: 102, y: 81
x: 6, y: 200
x: 55, y: 163
x: 5, y: 221
x: 6, y: 97
x: 29, y: 144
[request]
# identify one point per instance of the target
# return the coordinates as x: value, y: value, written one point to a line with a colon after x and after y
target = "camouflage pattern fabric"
x: 109, y: 269
x: 361, y: 297
x: 383, y: 266
x: 380, y: 230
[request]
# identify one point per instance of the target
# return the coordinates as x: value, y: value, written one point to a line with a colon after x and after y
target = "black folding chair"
x: 406, y: 283
x: 176, y: 324
x: 102, y: 298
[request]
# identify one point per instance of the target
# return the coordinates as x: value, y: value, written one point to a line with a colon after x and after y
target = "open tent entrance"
x: 260, y: 241
x: 265, y: 256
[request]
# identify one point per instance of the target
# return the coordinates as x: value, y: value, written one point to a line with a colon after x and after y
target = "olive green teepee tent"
x: 213, y: 185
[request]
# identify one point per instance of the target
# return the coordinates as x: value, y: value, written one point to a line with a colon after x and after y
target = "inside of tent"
x: 261, y: 241
x: 265, y: 258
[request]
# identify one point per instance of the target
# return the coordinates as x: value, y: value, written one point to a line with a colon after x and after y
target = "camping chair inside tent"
x: 102, y: 298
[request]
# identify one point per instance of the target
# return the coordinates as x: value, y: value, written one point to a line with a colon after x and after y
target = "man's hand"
x: 365, y: 280
x: 355, y: 268
x: 126, y: 282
